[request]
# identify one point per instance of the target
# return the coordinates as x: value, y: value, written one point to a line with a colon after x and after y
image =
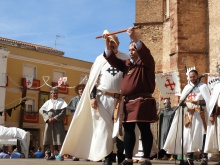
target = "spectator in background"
x: 15, y: 154
x: 31, y: 154
x: 39, y: 153
x: 47, y: 154
x: 22, y: 155
x: 75, y: 100
x: 73, y: 104
x: 3, y: 154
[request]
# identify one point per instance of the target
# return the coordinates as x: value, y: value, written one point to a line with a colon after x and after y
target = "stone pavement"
x: 70, y: 162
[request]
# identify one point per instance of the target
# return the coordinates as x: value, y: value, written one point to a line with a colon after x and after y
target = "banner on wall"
x: 169, y: 84
x: 29, y: 81
x: 62, y: 80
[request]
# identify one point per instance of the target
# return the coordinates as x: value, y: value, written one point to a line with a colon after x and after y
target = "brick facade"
x: 180, y: 33
x: 186, y: 33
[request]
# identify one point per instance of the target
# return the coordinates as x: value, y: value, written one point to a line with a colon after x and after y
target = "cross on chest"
x: 113, y: 71
x: 191, y: 96
x: 28, y: 82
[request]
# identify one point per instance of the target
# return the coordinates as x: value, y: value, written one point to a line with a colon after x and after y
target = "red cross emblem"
x: 169, y: 84
x: 28, y: 83
x: 191, y: 96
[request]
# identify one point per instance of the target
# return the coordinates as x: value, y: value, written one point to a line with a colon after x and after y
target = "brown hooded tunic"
x: 138, y: 80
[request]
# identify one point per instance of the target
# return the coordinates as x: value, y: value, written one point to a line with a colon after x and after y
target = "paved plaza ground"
x: 70, y: 162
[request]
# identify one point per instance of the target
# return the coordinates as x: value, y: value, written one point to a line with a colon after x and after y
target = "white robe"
x: 212, y: 144
x: 90, y: 135
x: 193, y: 135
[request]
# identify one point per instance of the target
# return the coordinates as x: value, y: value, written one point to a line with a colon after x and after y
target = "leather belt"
x: 193, y: 110
x: 115, y: 95
x: 116, y: 110
x: 136, y: 96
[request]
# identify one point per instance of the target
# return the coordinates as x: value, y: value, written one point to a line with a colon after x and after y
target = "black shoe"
x: 51, y: 158
x: 204, y: 161
x: 75, y: 158
x: 125, y: 162
x: 61, y: 159
x: 146, y: 162
x: 107, y: 162
x: 188, y: 162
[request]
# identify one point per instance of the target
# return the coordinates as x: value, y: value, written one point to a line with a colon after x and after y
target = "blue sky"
x: 76, y: 22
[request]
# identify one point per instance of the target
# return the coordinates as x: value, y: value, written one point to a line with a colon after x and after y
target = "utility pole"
x: 21, y: 116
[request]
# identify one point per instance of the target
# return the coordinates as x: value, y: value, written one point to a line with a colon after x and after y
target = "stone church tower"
x: 181, y: 33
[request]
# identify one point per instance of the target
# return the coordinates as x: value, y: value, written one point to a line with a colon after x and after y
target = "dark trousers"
x: 129, y: 138
x: 120, y: 150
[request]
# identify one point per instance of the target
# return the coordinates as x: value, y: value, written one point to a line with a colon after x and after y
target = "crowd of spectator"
x: 15, y: 154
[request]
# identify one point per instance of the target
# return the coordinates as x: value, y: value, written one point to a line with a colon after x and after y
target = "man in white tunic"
x: 212, y: 144
x: 90, y: 135
x: 195, y: 119
x: 53, y: 112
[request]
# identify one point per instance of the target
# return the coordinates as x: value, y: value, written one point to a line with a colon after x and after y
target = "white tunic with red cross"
x: 193, y: 134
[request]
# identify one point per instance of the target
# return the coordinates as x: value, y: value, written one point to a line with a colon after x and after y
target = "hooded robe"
x: 90, y: 135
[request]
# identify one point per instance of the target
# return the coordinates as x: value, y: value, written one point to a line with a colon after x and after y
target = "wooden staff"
x: 119, y: 31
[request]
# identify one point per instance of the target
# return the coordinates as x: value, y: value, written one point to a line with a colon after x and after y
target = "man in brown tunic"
x: 137, y: 86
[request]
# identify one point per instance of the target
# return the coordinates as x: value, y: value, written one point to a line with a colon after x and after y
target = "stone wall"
x: 180, y: 33
x: 189, y: 35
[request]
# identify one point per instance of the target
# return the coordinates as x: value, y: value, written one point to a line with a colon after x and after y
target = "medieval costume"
x: 138, y: 81
x: 137, y: 86
x: 195, y: 117
x: 54, y: 132
x: 75, y: 100
x: 73, y: 104
x: 90, y: 134
x: 212, y: 144
x: 166, y: 118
